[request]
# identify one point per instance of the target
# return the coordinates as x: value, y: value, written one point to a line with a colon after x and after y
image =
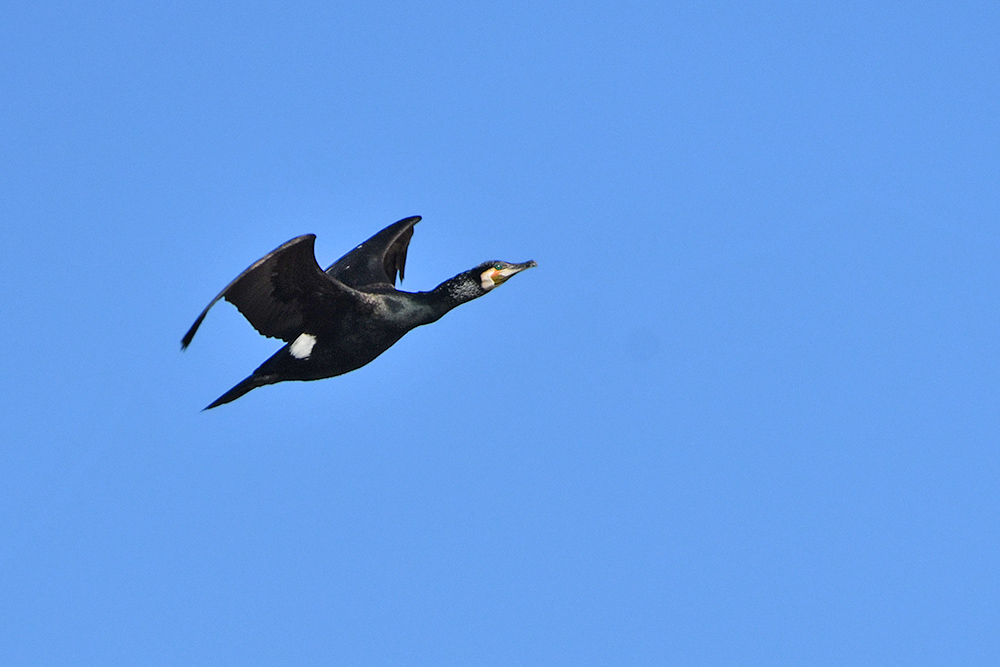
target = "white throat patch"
x: 302, y: 346
x: 486, y: 279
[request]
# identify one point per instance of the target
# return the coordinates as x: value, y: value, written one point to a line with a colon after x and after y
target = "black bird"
x: 338, y: 320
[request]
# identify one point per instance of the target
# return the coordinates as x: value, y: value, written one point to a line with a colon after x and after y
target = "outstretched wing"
x: 276, y: 289
x: 377, y: 260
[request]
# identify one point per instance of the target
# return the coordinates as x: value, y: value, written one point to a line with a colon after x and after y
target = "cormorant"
x: 338, y: 320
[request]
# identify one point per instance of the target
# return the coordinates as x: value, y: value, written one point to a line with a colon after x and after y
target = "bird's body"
x: 337, y: 321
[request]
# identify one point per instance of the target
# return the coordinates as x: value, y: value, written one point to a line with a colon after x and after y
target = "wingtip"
x: 189, y: 336
x: 214, y: 404
x: 244, y: 386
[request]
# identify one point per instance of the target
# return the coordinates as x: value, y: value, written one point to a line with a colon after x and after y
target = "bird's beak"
x: 503, y: 274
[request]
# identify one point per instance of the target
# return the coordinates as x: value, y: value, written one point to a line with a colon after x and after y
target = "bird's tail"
x: 243, y: 387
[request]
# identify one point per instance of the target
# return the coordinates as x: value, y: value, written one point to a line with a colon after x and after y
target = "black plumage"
x: 338, y: 320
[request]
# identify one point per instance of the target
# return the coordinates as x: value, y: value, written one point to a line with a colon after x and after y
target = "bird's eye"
x: 498, y: 266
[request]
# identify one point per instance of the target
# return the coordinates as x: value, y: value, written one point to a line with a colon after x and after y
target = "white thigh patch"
x: 302, y: 346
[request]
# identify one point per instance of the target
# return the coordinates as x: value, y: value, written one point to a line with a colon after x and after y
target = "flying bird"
x: 338, y: 320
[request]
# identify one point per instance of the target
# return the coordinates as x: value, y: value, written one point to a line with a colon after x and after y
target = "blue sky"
x: 743, y: 412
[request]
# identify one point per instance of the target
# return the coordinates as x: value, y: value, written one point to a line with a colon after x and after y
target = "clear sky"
x: 744, y: 412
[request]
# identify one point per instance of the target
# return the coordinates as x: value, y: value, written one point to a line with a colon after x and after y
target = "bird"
x: 338, y: 320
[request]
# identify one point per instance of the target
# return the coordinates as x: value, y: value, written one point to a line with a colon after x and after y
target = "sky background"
x: 744, y: 412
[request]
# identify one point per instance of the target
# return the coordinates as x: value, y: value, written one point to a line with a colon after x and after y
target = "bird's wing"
x: 377, y: 260
x: 274, y: 291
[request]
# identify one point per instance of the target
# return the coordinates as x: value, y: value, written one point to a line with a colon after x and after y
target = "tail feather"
x: 243, y: 387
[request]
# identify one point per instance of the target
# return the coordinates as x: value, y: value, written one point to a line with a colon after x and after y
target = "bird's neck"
x: 452, y: 292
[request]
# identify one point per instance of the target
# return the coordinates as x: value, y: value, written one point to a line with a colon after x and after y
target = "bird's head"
x: 478, y: 281
x: 491, y: 274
